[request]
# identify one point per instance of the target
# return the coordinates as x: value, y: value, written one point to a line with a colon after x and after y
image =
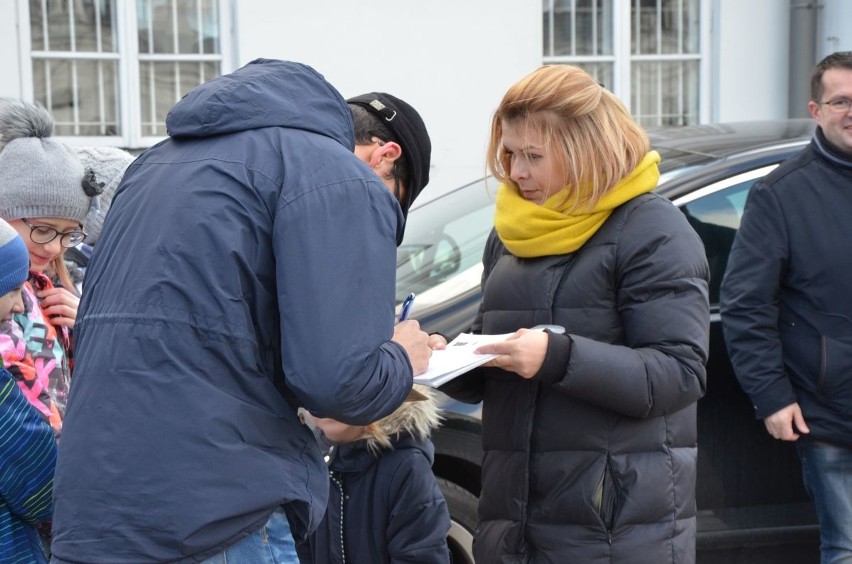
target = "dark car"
x: 752, y: 507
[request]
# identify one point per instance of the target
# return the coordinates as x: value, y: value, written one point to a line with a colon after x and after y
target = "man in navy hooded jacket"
x: 246, y: 268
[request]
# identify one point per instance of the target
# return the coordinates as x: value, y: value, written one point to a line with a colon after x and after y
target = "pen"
x: 406, y: 307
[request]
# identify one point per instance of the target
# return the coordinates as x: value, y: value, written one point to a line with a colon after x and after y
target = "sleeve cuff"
x: 556, y: 359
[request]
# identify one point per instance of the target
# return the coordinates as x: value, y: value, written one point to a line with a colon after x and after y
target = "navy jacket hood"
x: 295, y: 96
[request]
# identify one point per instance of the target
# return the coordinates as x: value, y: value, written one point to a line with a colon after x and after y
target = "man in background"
x: 787, y: 305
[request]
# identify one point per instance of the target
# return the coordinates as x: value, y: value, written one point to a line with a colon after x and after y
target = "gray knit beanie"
x: 14, y: 259
x: 108, y: 165
x: 39, y: 176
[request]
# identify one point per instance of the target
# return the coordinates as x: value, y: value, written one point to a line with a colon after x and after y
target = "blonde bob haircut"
x: 584, y: 127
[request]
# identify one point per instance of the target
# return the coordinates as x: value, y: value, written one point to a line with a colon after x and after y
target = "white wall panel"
x: 10, y: 72
x: 452, y: 60
x: 751, y: 48
x: 836, y: 33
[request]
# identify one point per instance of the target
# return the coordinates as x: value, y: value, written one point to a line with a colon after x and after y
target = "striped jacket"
x: 27, y: 459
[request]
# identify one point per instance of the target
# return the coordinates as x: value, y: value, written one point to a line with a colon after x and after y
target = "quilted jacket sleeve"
x: 662, y: 298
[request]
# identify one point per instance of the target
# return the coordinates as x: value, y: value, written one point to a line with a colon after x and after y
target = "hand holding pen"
x: 437, y: 341
x: 409, y: 336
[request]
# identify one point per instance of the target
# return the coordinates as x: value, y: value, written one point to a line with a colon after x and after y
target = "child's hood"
x: 415, y: 418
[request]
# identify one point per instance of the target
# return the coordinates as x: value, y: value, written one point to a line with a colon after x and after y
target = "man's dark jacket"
x: 246, y: 268
x: 787, y: 292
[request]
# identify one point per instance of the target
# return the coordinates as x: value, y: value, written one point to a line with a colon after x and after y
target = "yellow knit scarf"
x: 536, y: 230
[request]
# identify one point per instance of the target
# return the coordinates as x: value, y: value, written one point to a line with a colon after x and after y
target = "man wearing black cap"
x: 391, y: 138
x: 246, y: 268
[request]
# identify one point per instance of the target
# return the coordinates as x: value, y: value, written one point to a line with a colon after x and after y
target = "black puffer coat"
x: 593, y: 460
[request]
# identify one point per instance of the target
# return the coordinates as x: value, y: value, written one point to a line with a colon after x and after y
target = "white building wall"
x: 452, y: 60
x: 750, y: 53
x: 10, y: 73
x: 836, y: 30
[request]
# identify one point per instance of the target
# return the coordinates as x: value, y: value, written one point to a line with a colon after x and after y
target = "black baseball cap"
x: 410, y: 131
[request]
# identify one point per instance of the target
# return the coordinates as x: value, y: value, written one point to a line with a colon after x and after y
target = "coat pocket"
x: 834, y: 384
x: 818, y: 356
x: 607, y: 497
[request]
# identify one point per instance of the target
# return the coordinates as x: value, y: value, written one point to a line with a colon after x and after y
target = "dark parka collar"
x: 357, y: 457
x: 829, y: 151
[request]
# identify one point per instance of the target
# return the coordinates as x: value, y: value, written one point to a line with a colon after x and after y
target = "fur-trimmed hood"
x: 416, y: 418
x: 413, y: 421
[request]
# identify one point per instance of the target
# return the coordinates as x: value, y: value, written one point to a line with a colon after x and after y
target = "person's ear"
x: 814, y: 109
x: 388, y: 152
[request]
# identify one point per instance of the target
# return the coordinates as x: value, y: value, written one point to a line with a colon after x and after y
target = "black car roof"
x: 701, y: 144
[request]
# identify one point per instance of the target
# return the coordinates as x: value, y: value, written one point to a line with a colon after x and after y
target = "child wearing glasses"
x: 27, y: 446
x: 46, y: 196
x: 384, y: 503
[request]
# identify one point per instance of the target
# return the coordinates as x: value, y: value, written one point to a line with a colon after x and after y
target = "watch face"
x: 558, y: 329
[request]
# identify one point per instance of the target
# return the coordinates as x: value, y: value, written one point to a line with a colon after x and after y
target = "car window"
x: 715, y: 212
x: 445, y: 238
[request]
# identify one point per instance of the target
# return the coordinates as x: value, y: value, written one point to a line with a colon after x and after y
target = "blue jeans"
x: 827, y: 473
x: 271, y: 544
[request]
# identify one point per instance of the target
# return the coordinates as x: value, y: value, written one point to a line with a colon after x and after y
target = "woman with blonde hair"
x: 589, y: 434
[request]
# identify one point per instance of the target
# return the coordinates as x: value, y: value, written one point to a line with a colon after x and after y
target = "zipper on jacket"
x: 532, y: 401
x: 338, y: 481
x: 610, y: 493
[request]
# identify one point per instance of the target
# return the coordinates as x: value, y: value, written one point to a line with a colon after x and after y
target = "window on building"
x: 112, y: 69
x: 648, y: 52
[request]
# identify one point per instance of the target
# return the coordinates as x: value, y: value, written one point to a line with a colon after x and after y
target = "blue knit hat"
x: 14, y: 259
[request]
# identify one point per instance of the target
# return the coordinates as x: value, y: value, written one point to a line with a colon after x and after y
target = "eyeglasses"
x: 840, y: 106
x: 42, y: 234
